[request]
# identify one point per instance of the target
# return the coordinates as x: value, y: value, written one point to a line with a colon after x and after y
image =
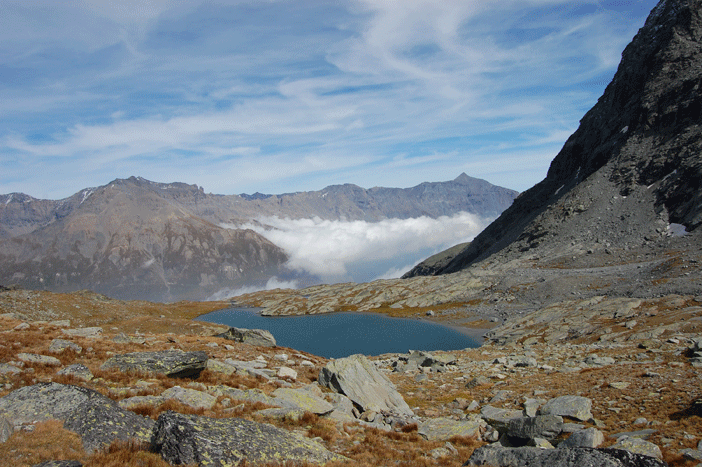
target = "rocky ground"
x: 627, y: 365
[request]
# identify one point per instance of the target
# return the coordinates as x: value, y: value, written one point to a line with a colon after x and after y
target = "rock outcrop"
x: 359, y: 380
x: 250, y: 336
x: 189, y: 439
x: 173, y: 363
x: 630, y: 170
x: 497, y: 456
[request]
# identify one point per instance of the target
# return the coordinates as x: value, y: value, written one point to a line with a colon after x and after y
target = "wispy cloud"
x: 340, y: 251
x: 286, y: 95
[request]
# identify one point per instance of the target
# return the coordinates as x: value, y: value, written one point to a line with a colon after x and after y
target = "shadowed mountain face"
x: 136, y: 239
x: 633, y: 166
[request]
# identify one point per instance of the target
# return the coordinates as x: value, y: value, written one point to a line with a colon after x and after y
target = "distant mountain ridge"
x: 134, y: 238
x: 631, y: 169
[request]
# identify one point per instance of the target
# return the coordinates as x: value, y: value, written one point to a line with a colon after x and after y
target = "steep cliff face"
x: 127, y: 241
x: 632, y: 167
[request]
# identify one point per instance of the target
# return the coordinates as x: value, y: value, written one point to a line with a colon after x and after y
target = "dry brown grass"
x: 48, y: 441
x: 126, y: 454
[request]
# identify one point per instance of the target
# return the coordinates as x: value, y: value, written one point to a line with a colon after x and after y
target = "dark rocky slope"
x: 632, y: 167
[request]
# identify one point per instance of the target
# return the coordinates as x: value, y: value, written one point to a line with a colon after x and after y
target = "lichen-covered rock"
x: 44, y: 401
x: 259, y: 337
x: 497, y: 456
x: 190, y: 397
x: 39, y: 359
x: 444, y: 428
x: 77, y: 370
x: 499, y: 418
x: 541, y: 426
x: 173, y: 363
x: 357, y: 378
x: 577, y: 407
x: 89, y: 333
x: 59, y: 464
x: 587, y: 438
x: 638, y: 446
x: 302, y: 399
x: 6, y: 429
x: 61, y: 345
x: 99, y: 421
x: 210, y: 442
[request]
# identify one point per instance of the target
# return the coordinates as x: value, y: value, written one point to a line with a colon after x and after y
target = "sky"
x: 279, y: 96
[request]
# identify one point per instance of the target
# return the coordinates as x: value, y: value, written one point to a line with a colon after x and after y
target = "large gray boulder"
x: 444, y: 428
x: 189, y: 439
x: 44, y: 401
x: 259, y: 337
x: 498, y: 456
x: 587, y: 438
x: 541, y: 426
x: 99, y: 421
x: 577, y: 407
x: 357, y: 378
x: 173, y: 363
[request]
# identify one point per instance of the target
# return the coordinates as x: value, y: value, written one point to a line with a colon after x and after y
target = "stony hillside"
x: 631, y: 169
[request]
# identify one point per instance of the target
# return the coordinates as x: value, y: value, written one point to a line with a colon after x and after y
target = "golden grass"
x: 48, y: 441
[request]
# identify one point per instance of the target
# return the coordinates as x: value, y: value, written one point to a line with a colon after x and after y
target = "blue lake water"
x: 337, y: 335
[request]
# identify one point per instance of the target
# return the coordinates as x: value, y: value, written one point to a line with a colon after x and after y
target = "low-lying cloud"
x: 361, y: 251
x: 273, y: 283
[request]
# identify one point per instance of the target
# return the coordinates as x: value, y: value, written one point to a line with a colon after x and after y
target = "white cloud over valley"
x: 360, y: 251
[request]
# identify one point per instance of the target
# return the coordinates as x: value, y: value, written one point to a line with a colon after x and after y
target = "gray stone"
x: 587, y: 438
x: 259, y: 337
x: 248, y: 395
x: 288, y: 414
x: 498, y: 456
x: 39, y: 359
x: 499, y: 418
x: 173, y: 363
x: 7, y: 369
x: 541, y: 426
x: 58, y: 464
x: 435, y: 429
x: 691, y: 454
x: 576, y: 407
x: 133, y: 402
x: 188, y: 439
x: 99, y: 421
x: 77, y: 370
x: 190, y: 397
x: 357, y: 378
x: 286, y: 372
x: 6, y: 429
x: 123, y: 338
x: 531, y: 406
x: 303, y: 400
x: 638, y: 446
x: 220, y: 367
x: 477, y: 381
x: 44, y: 401
x: 61, y: 345
x: 89, y: 333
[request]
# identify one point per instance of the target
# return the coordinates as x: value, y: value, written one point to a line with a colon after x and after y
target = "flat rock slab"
x: 172, y: 363
x: 497, y: 456
x: 259, y: 337
x: 190, y: 397
x: 357, y: 378
x: 577, y: 407
x: 436, y: 429
x: 89, y: 333
x: 210, y: 442
x: 99, y: 421
x: 39, y: 359
x: 44, y: 401
x: 302, y: 399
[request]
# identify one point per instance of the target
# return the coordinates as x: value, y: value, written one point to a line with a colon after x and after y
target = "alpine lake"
x: 337, y: 335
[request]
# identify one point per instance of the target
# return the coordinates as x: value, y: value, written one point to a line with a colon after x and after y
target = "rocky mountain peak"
x: 631, y: 168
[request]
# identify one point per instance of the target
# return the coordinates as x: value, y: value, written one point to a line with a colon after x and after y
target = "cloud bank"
x: 360, y: 251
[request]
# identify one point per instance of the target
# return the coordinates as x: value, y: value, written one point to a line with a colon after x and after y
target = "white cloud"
x: 358, y: 250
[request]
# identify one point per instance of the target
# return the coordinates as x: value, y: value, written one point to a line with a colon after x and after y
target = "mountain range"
x: 138, y: 239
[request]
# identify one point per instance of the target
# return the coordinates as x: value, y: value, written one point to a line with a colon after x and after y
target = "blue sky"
x: 286, y: 95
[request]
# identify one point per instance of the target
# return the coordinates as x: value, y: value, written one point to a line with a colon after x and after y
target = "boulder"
x: 189, y: 439
x: 44, y: 401
x: 89, y: 333
x: 588, y: 438
x: 6, y: 429
x: 498, y: 456
x: 7, y: 369
x: 77, y: 370
x: 61, y: 345
x: 357, y: 378
x: 301, y: 399
x: 541, y: 426
x: 435, y: 429
x: 499, y: 418
x: 59, y: 464
x: 173, y: 363
x: 259, y: 337
x: 39, y: 359
x: 638, y: 446
x: 99, y: 421
x: 190, y: 397
x: 576, y: 407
